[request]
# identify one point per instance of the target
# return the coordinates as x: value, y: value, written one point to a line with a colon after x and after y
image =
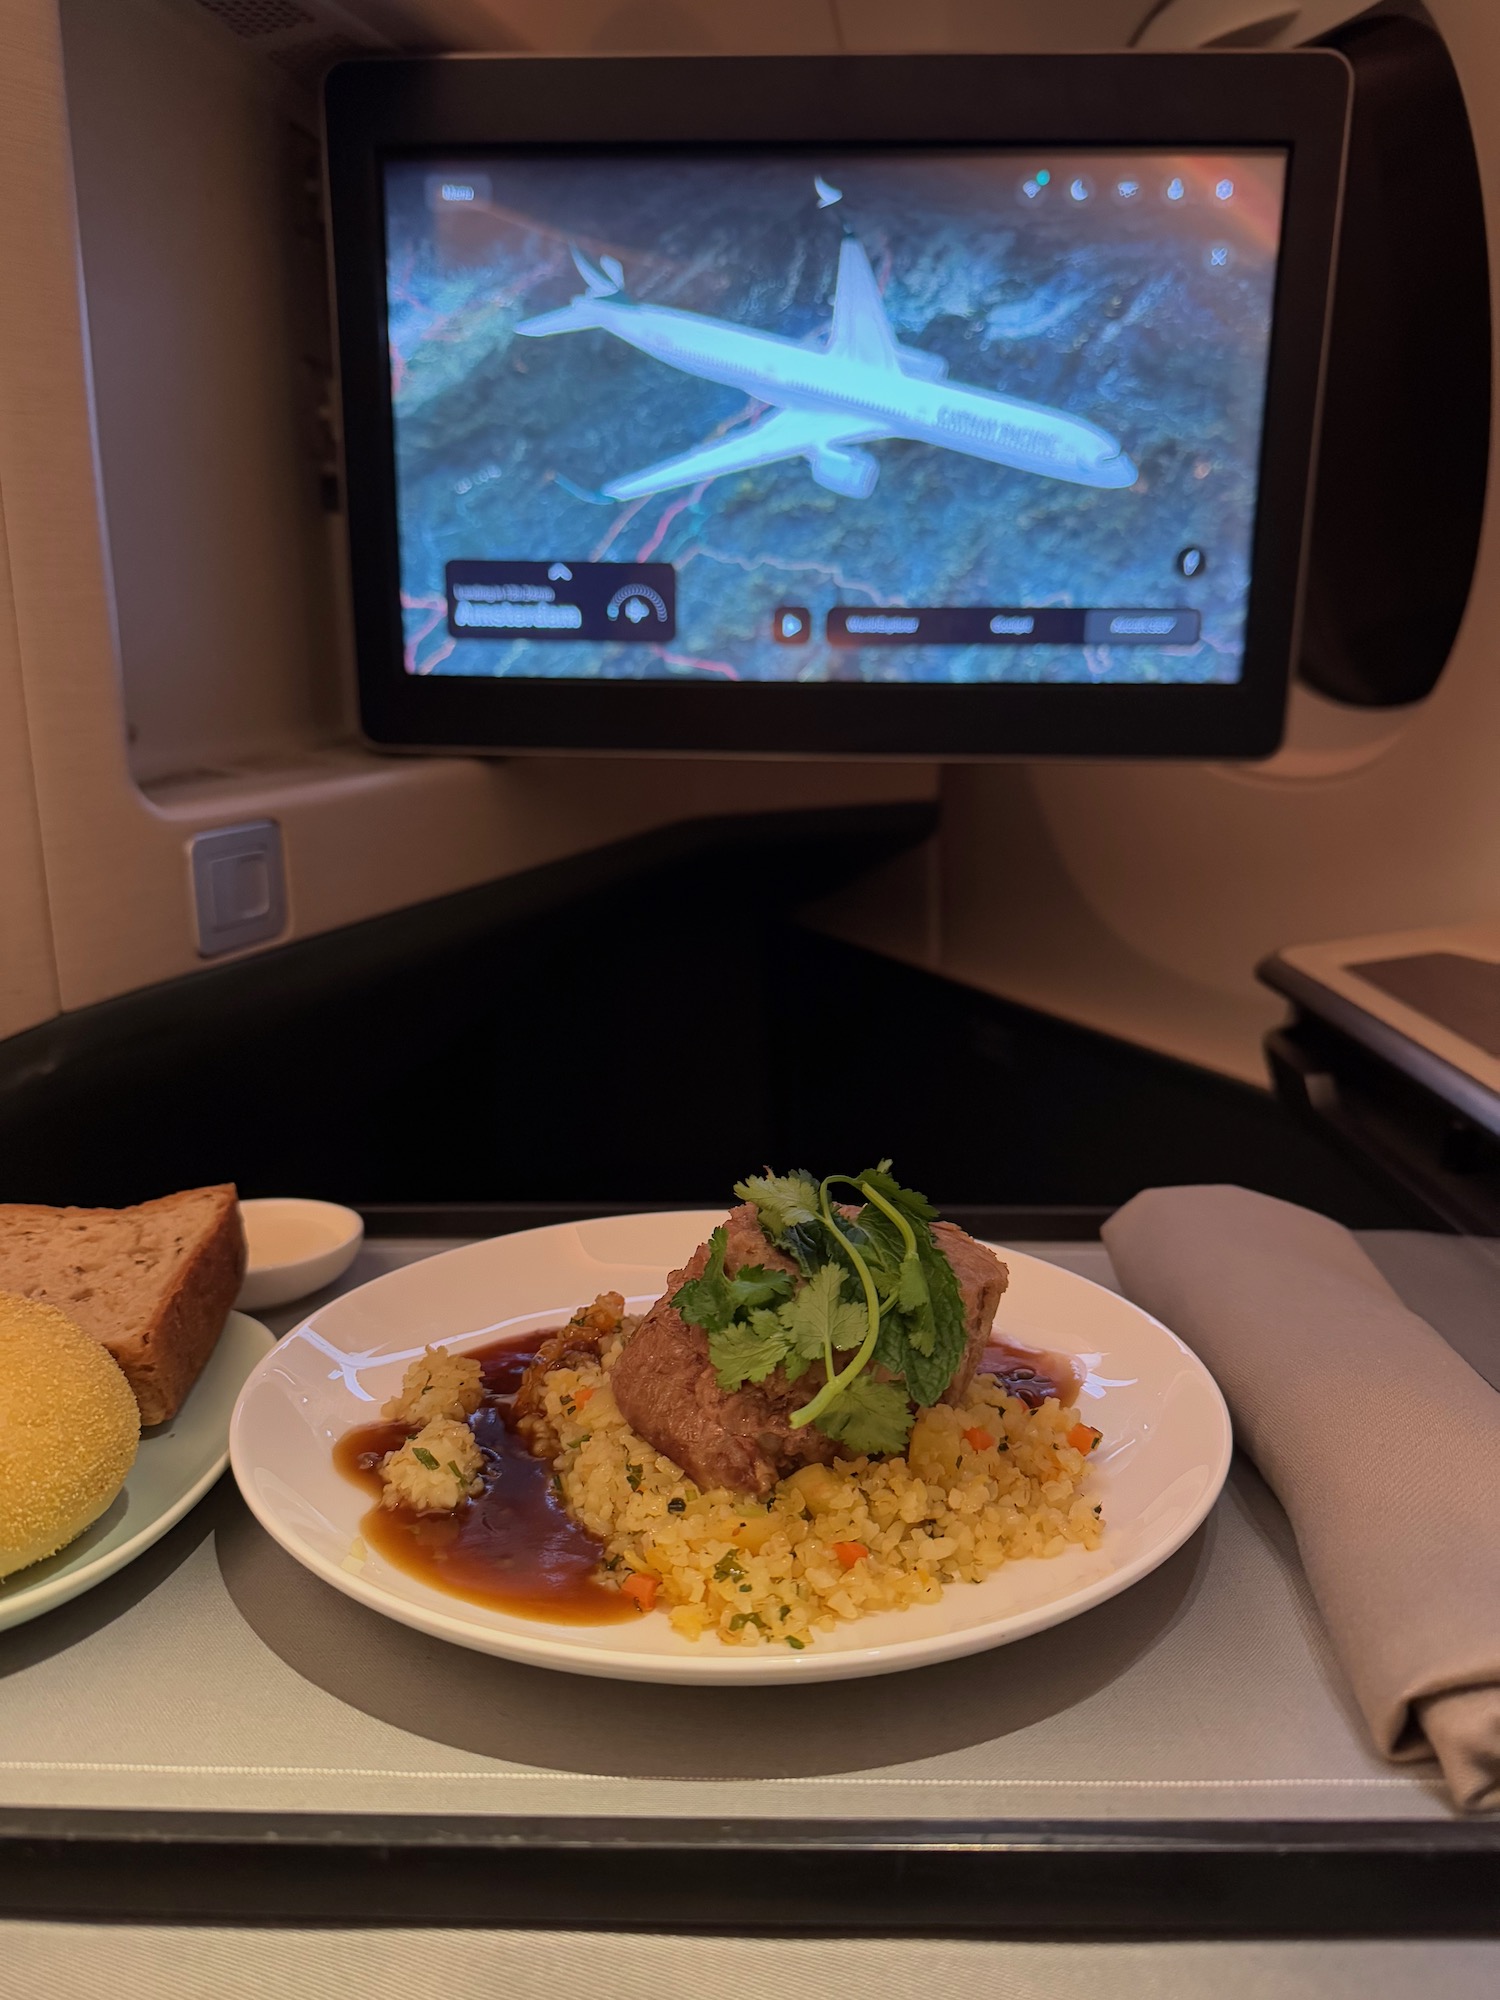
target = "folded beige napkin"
x: 1381, y: 1443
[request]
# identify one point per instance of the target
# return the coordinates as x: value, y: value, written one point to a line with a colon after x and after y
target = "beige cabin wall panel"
x: 103, y: 849
x: 1190, y: 874
x: 28, y: 977
x: 202, y: 270
x: 378, y: 834
x: 363, y: 834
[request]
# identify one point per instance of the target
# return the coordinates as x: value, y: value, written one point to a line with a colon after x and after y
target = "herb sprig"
x: 876, y: 1291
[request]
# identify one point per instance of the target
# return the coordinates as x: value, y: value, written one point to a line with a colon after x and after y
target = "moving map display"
x: 869, y: 416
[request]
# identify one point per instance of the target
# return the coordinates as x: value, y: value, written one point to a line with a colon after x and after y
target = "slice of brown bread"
x: 152, y: 1284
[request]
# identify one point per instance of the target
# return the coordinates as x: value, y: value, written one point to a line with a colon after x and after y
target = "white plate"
x: 174, y: 1468
x: 1163, y: 1460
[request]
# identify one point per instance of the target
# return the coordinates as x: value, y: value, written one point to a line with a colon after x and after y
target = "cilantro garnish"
x: 782, y: 1201
x: 910, y: 1324
x: 820, y: 1319
x: 750, y: 1351
x: 714, y: 1301
x: 869, y: 1417
x: 807, y: 1328
x: 633, y: 1478
x: 876, y: 1291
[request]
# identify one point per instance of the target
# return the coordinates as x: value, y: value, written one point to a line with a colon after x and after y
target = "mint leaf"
x: 868, y: 1417
x: 750, y: 1353
x: 820, y: 1316
x: 911, y: 1291
x: 922, y: 1340
x: 891, y: 1345
x: 882, y: 1246
x: 916, y: 1207
x: 931, y: 1367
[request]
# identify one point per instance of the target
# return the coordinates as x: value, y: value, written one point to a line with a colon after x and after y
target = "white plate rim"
x: 25, y: 1604
x: 761, y: 1667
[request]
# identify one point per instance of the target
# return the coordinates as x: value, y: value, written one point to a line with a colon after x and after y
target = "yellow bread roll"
x: 69, y: 1429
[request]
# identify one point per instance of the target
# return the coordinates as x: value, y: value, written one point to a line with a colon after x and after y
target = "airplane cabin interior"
x: 609, y: 610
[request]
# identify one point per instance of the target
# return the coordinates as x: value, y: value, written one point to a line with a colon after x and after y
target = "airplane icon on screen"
x: 851, y: 387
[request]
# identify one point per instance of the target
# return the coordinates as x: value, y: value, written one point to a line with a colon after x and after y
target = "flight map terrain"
x: 995, y: 381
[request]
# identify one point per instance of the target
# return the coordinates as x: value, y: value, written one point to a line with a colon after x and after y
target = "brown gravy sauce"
x: 514, y: 1547
x: 1033, y: 1373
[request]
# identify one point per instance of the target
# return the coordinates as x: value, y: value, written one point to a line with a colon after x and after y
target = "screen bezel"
x: 1214, y: 102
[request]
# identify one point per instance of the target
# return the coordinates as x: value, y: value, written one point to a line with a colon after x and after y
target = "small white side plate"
x: 1159, y: 1470
x: 174, y: 1468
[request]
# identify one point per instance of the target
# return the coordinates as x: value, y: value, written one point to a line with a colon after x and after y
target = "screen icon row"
x: 1127, y: 189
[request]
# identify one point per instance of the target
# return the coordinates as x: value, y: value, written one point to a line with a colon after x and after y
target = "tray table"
x: 215, y: 1734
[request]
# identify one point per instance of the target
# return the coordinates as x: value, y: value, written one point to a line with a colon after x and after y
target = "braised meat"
x: 982, y: 1279
x: 665, y: 1385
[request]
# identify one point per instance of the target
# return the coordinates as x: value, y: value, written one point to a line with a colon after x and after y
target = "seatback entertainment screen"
x: 859, y: 415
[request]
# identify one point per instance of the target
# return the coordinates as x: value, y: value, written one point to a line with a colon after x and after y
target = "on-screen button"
x: 1140, y: 628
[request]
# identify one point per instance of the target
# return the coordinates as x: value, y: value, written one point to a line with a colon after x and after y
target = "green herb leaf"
x: 788, y: 1209
x: 820, y: 1317
x: 911, y: 1294
x: 782, y: 1201
x: 749, y: 1353
x: 930, y: 1367
x: 424, y: 1457
x: 633, y: 1478
x: 903, y: 1314
x: 753, y: 1285
x: 715, y: 1301
x: 916, y: 1207
x: 868, y: 1416
x: 728, y: 1568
